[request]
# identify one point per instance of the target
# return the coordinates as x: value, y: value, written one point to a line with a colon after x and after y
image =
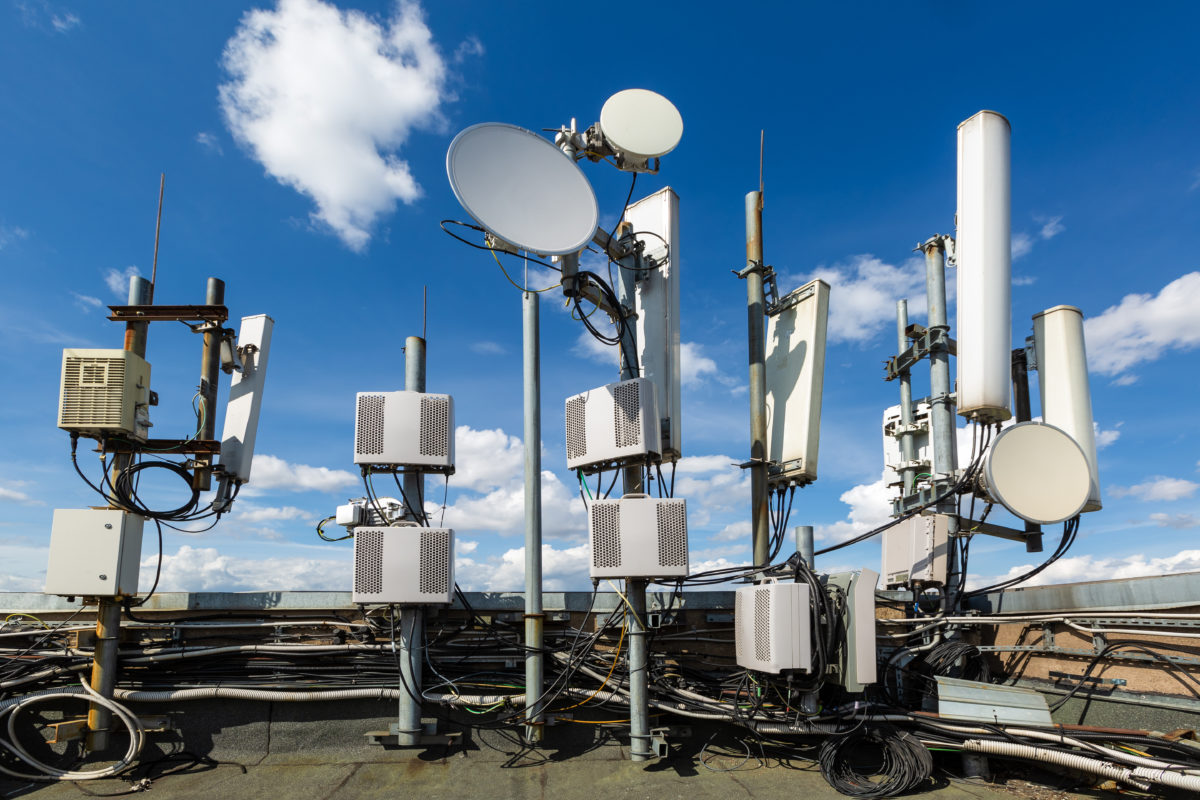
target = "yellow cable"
x: 595, y: 721
x: 514, y: 283
x: 30, y: 616
x: 616, y: 658
x: 628, y: 604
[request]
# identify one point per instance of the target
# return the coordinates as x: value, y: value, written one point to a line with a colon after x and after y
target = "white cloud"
x: 502, y: 509
x: 1105, y: 438
x: 1024, y: 280
x: 8, y: 235
x: 1142, y: 327
x: 1022, y: 245
x: 1090, y: 568
x: 65, y: 22
x: 488, y: 348
x: 713, y: 486
x: 117, y: 281
x: 588, y: 346
x: 486, y: 459
x: 694, y: 365
x: 862, y: 300
x: 471, y: 46
x: 209, y: 141
x: 204, y: 569
x: 1158, y: 488
x: 463, y: 547
x: 86, y: 302
x: 20, y: 583
x: 870, y: 506
x: 733, y: 532
x: 1177, y: 521
x: 324, y: 99
x: 249, y: 513
x: 561, y: 570
x: 270, y: 472
x: 1051, y: 227
x: 16, y: 496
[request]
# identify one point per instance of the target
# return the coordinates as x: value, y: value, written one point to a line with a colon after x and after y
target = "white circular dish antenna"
x: 522, y: 188
x: 1037, y: 472
x: 641, y: 123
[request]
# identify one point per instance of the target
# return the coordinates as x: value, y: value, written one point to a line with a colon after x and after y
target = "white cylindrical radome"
x: 1063, y: 383
x: 983, y: 245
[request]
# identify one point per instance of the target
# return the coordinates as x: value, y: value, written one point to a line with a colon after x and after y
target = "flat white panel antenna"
x: 522, y: 188
x: 1037, y: 472
x: 641, y: 123
x: 984, y: 254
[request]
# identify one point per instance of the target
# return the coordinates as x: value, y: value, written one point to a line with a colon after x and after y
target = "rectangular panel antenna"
x: 795, y: 368
x: 245, y: 397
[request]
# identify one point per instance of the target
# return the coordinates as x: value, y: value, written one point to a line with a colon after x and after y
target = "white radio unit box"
x: 403, y: 564
x: 638, y: 537
x: 772, y: 623
x: 405, y: 429
x: 104, y: 393
x: 915, y: 550
x: 613, y: 425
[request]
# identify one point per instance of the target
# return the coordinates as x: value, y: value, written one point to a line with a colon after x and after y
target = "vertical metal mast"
x: 756, y: 313
x: 908, y: 453
x: 534, y: 616
x: 412, y: 618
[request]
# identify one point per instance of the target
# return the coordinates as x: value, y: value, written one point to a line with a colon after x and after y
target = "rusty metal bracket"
x: 924, y: 342
x: 157, y: 313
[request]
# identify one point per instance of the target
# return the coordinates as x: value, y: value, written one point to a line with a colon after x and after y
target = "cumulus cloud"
x: 733, y: 532
x: 1022, y: 245
x: 1158, y: 488
x: 713, y: 486
x: 1090, y: 568
x: 117, y: 281
x: 204, y: 569
x: 588, y: 346
x: 561, y: 570
x: 694, y: 365
x: 1177, y: 521
x: 324, y: 99
x: 248, y: 513
x: 870, y: 506
x: 14, y: 495
x: 486, y: 459
x: 862, y: 302
x: 1105, y: 438
x: 502, y: 510
x: 1142, y: 327
x: 271, y: 472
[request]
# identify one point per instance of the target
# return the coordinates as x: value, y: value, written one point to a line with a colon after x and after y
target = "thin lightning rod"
x: 762, y: 146
x: 162, y: 183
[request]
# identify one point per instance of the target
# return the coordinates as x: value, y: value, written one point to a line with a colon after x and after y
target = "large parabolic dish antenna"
x: 1037, y: 472
x: 641, y: 123
x: 522, y: 188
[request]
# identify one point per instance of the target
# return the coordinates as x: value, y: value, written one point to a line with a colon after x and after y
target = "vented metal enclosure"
x: 405, y: 429
x: 795, y: 372
x: 638, y: 537
x: 104, y: 393
x: 915, y: 550
x: 613, y: 425
x: 773, y: 627
x: 406, y: 565
x: 94, y: 553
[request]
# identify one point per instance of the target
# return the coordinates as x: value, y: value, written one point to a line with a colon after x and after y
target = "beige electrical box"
x: 915, y: 550
x: 94, y: 552
x: 104, y: 393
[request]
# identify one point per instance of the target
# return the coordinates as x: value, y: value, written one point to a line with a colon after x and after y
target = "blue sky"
x: 304, y: 148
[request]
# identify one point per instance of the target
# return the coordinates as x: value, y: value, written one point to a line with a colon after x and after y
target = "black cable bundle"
x: 906, y: 763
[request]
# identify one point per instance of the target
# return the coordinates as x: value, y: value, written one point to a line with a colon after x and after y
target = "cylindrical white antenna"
x: 1063, y: 383
x: 984, y: 254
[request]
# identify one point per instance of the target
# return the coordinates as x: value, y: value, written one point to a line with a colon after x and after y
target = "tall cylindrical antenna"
x: 984, y: 255
x: 162, y: 183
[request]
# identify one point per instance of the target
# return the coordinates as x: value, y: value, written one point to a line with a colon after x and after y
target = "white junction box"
x: 638, y: 537
x: 915, y: 551
x: 94, y: 553
x: 104, y: 393
x: 405, y: 429
x: 795, y: 375
x: 613, y: 425
x: 655, y: 221
x: 403, y: 564
x: 773, y: 627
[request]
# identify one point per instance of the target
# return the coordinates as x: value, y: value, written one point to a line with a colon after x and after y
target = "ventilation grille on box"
x: 370, y: 424
x: 606, y: 535
x: 368, y: 562
x: 92, y: 390
x: 576, y: 427
x: 627, y: 415
x: 435, y: 427
x: 672, y: 535
x: 435, y: 562
x: 739, y: 616
x: 762, y: 625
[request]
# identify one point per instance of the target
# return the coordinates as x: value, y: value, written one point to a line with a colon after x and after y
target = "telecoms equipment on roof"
x: 655, y: 221
x: 405, y: 429
x: 1063, y: 384
x: 94, y: 552
x: 773, y: 627
x: 105, y: 393
x: 1037, y: 472
x: 404, y: 564
x: 613, y: 425
x: 245, y: 395
x: 983, y: 248
x: 795, y: 375
x: 915, y: 551
x: 638, y: 537
x: 638, y: 125
x: 522, y: 189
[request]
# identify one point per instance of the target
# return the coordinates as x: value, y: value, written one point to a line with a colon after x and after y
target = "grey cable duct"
x: 1141, y: 777
x: 275, y: 696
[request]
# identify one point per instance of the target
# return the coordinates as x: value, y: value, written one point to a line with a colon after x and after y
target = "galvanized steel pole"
x: 756, y: 311
x: 412, y: 618
x: 806, y: 545
x: 907, y: 451
x: 210, y: 367
x: 534, y: 617
x: 108, y: 611
x: 941, y: 411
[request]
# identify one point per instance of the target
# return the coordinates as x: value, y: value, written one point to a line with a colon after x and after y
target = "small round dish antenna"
x: 522, y: 188
x: 641, y: 123
x: 1037, y: 472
